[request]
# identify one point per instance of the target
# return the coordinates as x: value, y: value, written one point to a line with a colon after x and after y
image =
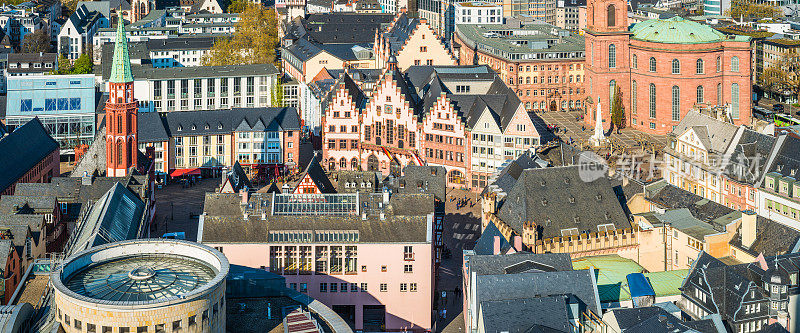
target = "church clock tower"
x: 607, y: 57
x: 121, y: 111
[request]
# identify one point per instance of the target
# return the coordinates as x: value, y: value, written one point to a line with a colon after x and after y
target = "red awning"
x: 183, y: 172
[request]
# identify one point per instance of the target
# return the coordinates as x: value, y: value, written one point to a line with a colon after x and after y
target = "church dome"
x: 675, y: 30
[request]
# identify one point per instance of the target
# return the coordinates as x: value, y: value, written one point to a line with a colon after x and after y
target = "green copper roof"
x: 676, y: 30
x: 121, y: 66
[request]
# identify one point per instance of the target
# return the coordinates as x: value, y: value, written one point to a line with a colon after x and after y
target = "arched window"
x: 700, y: 95
x: 719, y: 93
x: 735, y: 64
x: 735, y: 100
x: 612, y: 55
x: 612, y: 89
x: 372, y: 163
x: 676, y: 66
x: 343, y: 163
x: 456, y: 177
x: 634, y: 62
x: 652, y: 100
x: 719, y: 64
x: 331, y: 164
x: 611, y: 15
x: 676, y: 103
x: 700, y: 67
x: 652, y: 64
x: 354, y: 164
x: 527, y: 105
x: 120, y: 153
x: 633, y: 97
x: 400, y: 144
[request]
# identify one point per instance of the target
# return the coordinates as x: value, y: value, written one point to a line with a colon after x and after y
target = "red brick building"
x: 545, y: 70
x: 663, y: 68
x: 28, y: 155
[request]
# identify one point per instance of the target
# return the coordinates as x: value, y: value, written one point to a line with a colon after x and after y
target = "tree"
x: 254, y: 42
x: 35, y: 42
x: 618, y: 110
x: 83, y: 65
x: 237, y: 6
x: 782, y: 76
x: 750, y: 9
x: 277, y: 93
x: 64, y: 65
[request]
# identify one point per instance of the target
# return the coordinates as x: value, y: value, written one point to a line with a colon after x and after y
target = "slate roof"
x: 180, y: 43
x: 772, y: 238
x: 747, y: 161
x: 581, y: 284
x: 238, y: 178
x: 720, y: 134
x: 429, y: 82
x: 338, y: 27
x: 422, y: 179
x: 93, y: 162
x: 548, y: 314
x: 22, y: 150
x: 509, y: 174
x: 653, y: 319
x: 557, y: 198
x: 27, y: 204
x: 535, y: 262
x: 304, y: 49
x: 729, y: 284
x: 5, y: 251
x: 345, y: 81
x: 671, y: 197
x: 343, y: 177
x: 160, y: 127
x: 485, y: 243
x: 317, y: 175
x: 400, y: 30
x: 406, y: 220
x: 786, y: 159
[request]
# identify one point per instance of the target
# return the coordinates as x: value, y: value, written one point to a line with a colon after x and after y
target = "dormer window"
x: 194, y: 127
x: 571, y: 199
x: 180, y: 128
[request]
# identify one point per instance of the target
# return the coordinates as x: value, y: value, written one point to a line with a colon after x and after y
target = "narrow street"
x: 462, y: 228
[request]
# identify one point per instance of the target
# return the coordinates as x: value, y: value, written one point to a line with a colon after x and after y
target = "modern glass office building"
x: 65, y: 104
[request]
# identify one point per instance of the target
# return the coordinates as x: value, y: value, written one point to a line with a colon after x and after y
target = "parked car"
x: 175, y: 235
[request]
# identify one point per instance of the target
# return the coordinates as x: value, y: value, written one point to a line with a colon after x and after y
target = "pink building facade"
x: 423, y: 117
x: 352, y: 259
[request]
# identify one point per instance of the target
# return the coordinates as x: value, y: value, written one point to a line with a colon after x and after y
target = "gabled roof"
x: 400, y: 30
x: 500, y: 264
x: 22, y: 150
x: 237, y: 178
x: 213, y: 122
x: 317, y: 175
x: 717, y: 135
x: 485, y: 243
x: 654, y: 319
x: 345, y: 81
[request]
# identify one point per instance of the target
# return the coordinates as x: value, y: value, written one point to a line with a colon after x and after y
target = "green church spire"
x: 121, y: 67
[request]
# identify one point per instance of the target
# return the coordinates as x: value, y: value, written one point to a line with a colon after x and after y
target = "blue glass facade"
x: 64, y: 103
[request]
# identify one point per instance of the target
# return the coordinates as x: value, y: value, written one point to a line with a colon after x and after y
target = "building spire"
x: 121, y: 66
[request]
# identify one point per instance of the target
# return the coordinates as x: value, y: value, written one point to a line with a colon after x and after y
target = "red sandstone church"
x: 663, y: 68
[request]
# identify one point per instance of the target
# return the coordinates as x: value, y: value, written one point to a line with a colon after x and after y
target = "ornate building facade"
x: 464, y: 119
x: 663, y: 68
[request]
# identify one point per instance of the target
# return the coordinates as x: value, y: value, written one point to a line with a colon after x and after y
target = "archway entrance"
x: 372, y: 163
x: 394, y: 168
x: 553, y: 105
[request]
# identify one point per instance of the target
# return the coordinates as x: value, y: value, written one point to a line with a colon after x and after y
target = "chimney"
x: 245, y: 195
x: 496, y: 249
x: 748, y: 229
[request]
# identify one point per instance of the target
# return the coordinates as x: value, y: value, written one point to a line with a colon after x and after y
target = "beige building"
x: 413, y: 42
x: 262, y: 140
x: 169, y: 286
